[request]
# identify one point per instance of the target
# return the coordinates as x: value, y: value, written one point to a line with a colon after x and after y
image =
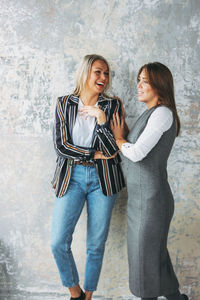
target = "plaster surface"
x: 41, y: 43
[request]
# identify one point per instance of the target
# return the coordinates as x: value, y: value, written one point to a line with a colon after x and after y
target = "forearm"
x: 66, y: 150
x: 70, y: 151
x: 159, y: 122
x: 105, y: 134
x: 62, y: 141
x: 107, y: 142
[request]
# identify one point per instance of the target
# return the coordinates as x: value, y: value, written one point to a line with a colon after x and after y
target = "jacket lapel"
x: 103, y: 104
x: 72, y: 112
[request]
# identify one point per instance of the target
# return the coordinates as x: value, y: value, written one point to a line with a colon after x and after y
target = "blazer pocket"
x: 116, y: 160
x: 59, y: 164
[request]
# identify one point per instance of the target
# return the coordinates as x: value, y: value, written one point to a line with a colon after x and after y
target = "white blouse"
x: 83, y: 129
x: 159, y: 122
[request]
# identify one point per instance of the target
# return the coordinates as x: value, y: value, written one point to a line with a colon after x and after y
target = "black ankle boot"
x: 81, y: 297
x: 184, y: 297
x: 154, y: 298
x: 177, y: 296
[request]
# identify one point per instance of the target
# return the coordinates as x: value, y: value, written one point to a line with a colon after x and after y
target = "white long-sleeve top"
x: 83, y: 129
x: 159, y: 122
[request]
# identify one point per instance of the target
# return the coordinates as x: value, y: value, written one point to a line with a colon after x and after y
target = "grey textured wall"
x: 41, y: 44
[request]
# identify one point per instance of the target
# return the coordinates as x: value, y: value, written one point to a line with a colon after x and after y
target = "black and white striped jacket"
x: 109, y: 170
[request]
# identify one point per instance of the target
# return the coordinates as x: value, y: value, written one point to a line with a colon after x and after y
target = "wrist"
x: 101, y: 120
x: 120, y: 141
x: 101, y: 117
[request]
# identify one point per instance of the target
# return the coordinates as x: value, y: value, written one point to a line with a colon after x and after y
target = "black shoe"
x: 81, y: 297
x: 184, y: 297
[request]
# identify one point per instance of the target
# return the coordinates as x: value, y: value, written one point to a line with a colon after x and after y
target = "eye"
x: 106, y: 73
x: 142, y: 81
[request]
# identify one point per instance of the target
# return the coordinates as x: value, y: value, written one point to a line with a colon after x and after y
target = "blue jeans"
x: 83, y: 187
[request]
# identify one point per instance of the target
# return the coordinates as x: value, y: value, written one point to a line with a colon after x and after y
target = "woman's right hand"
x: 122, y: 119
x: 117, y: 126
x: 122, y: 107
x: 99, y: 155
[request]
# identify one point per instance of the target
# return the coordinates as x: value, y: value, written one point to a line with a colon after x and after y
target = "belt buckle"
x: 84, y: 163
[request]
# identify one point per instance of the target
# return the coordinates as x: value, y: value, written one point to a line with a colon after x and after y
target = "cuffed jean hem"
x: 69, y: 287
x: 90, y: 290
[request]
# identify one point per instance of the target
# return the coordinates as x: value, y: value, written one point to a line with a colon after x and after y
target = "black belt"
x: 84, y: 163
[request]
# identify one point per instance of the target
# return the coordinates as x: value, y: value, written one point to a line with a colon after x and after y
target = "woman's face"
x: 98, y: 78
x: 146, y: 93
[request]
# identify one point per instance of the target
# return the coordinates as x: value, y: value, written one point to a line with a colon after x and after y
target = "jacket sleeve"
x: 61, y: 137
x: 107, y: 144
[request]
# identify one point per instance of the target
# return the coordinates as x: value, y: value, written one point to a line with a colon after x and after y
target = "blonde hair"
x: 83, y: 71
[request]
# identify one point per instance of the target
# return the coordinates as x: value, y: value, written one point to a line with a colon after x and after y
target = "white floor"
x: 59, y: 297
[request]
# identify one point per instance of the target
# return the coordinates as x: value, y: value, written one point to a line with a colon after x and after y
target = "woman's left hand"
x: 99, y: 155
x: 94, y: 111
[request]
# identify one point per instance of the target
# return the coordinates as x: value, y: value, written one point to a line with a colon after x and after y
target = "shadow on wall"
x: 8, y: 272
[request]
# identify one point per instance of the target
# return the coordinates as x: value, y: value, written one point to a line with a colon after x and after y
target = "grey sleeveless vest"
x: 149, y: 212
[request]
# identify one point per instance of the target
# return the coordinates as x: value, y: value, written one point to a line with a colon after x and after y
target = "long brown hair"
x: 161, y: 80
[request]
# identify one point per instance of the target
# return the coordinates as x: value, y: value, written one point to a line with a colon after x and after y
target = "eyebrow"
x: 99, y: 68
x: 143, y: 77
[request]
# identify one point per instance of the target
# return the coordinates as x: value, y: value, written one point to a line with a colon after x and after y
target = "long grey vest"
x: 150, y: 209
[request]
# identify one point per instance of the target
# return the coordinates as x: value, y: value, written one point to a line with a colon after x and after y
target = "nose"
x: 139, y: 84
x: 103, y: 77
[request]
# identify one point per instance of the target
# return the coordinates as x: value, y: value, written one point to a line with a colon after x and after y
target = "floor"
x: 59, y: 297
x: 54, y: 297
x: 30, y: 297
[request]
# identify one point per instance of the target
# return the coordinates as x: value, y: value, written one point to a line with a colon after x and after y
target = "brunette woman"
x: 150, y: 200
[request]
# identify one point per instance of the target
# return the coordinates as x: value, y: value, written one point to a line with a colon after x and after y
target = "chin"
x: 100, y: 91
x: 141, y: 100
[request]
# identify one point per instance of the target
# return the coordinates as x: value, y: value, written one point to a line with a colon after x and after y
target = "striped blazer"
x: 109, y: 170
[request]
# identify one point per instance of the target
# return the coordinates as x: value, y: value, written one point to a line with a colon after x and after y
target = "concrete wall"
x: 41, y: 44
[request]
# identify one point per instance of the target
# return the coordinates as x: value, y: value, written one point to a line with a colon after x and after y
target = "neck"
x: 152, y: 104
x: 88, y: 98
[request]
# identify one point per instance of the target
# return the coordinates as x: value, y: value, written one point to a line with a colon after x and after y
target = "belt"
x: 84, y: 163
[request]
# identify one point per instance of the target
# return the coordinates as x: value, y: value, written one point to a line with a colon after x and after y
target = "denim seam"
x: 70, y: 263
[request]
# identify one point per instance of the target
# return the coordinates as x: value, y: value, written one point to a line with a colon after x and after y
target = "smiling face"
x: 146, y: 93
x: 98, y: 77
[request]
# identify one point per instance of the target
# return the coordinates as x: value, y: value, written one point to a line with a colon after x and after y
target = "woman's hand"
x: 122, y: 107
x: 126, y: 129
x: 117, y: 126
x: 99, y: 155
x: 94, y: 111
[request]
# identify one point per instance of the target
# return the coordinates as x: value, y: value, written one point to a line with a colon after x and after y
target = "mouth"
x: 100, y: 84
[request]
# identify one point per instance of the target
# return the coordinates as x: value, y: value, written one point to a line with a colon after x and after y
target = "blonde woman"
x: 88, y: 170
